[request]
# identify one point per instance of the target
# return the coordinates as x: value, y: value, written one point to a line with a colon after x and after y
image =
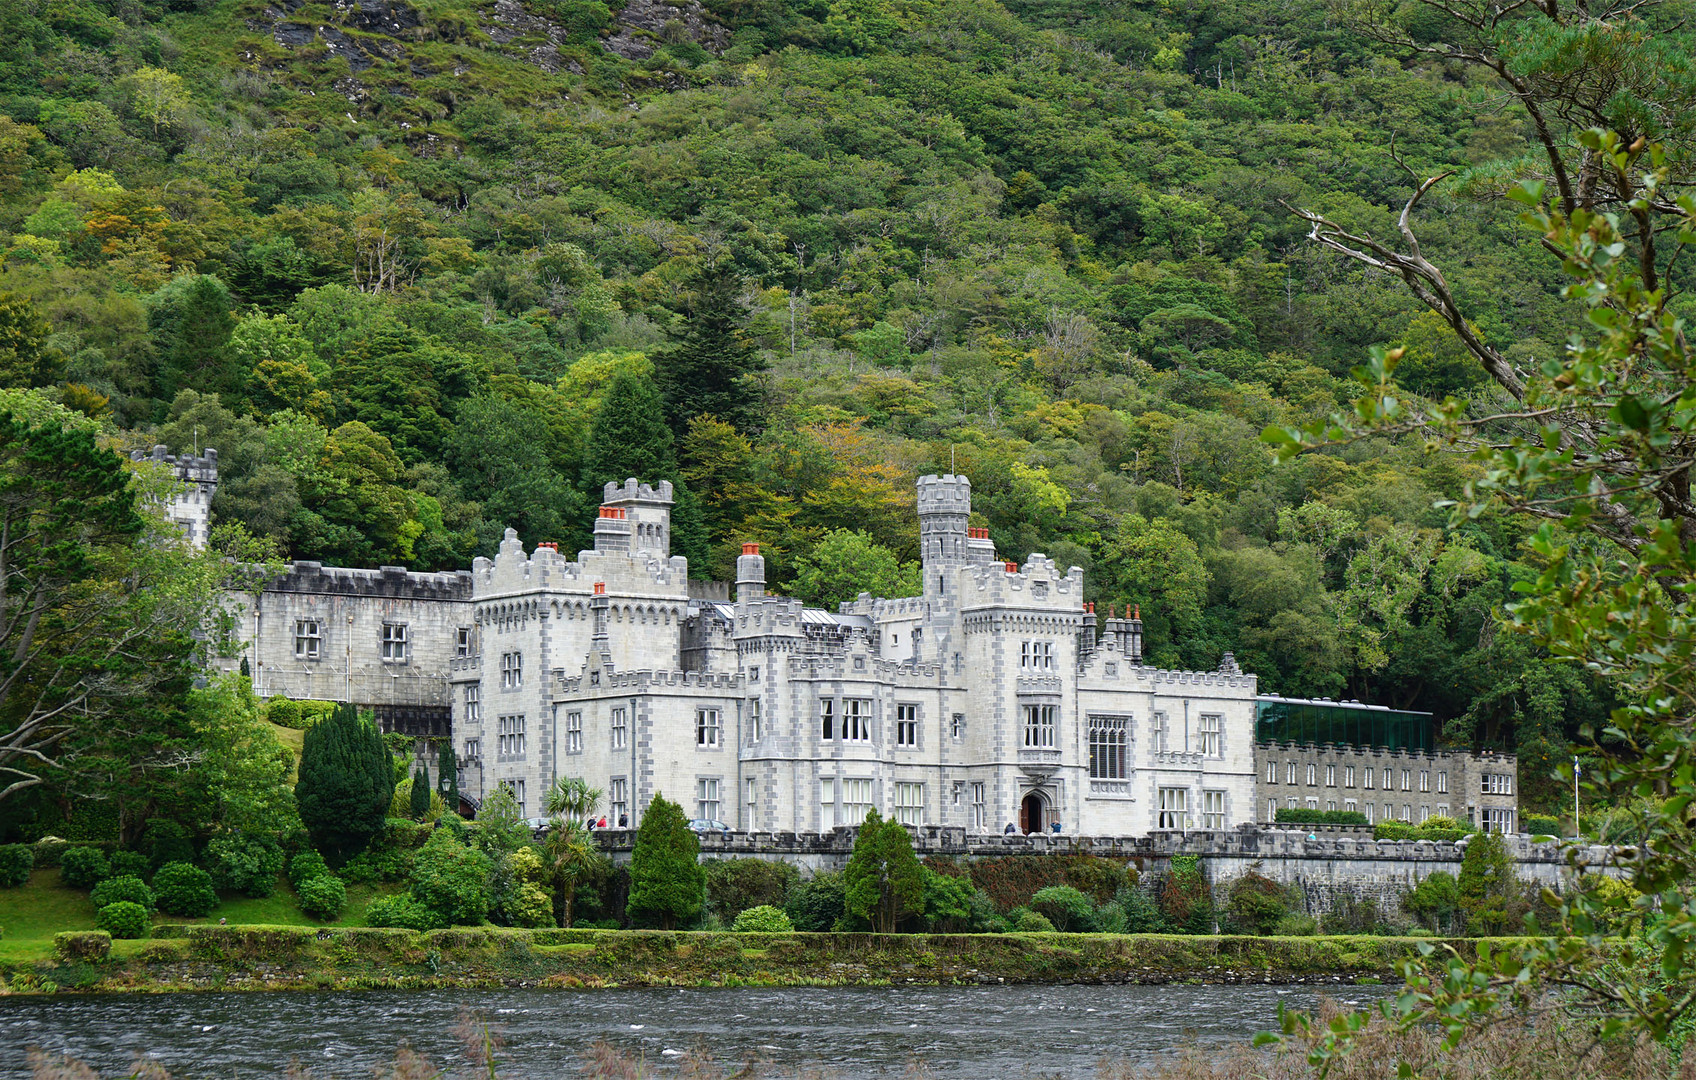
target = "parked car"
x: 708, y: 825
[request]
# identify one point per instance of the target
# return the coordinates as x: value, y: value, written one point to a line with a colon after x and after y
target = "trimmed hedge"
x: 184, y: 889
x: 322, y: 897
x: 83, y: 867
x: 83, y: 945
x: 133, y: 889
x: 1540, y: 824
x: 1401, y: 830
x: 16, y: 861
x: 1301, y: 815
x: 124, y: 919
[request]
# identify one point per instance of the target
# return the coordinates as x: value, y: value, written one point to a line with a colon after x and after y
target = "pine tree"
x: 447, y: 774
x: 711, y: 367
x: 884, y: 880
x: 420, y: 804
x: 667, y: 883
x: 191, y: 324
x: 346, y: 783
x: 628, y: 438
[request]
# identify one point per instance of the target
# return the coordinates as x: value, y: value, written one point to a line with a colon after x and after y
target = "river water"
x: 941, y: 1032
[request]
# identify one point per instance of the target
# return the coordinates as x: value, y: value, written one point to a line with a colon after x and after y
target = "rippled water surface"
x: 976, y: 1033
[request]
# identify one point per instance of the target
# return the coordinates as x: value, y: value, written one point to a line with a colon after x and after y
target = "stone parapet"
x: 396, y: 582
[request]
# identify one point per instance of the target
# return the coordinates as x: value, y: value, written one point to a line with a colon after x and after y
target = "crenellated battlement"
x: 649, y: 680
x: 395, y: 582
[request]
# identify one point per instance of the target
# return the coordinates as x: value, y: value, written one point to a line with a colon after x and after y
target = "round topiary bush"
x: 184, y: 889
x: 400, y: 911
x: 305, y: 866
x: 16, y: 861
x: 114, y: 889
x: 129, y: 864
x: 1067, y: 908
x: 763, y: 919
x: 1026, y: 921
x: 83, y: 867
x: 322, y: 897
x: 124, y: 920
x: 245, y: 864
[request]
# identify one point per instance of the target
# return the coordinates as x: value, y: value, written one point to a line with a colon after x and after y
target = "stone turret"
x: 945, y: 512
x: 192, y: 508
x: 646, y: 509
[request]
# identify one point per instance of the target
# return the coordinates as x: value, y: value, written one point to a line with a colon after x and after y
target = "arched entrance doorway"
x: 1031, y: 814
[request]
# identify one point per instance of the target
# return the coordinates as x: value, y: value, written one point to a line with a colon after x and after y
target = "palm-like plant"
x: 570, y: 849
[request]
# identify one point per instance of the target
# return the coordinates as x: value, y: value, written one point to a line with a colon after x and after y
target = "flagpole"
x: 1576, y: 831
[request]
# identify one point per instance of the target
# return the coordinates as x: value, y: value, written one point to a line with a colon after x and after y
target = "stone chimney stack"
x: 750, y: 574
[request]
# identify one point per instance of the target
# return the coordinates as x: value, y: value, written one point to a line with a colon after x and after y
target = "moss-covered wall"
x: 280, y: 957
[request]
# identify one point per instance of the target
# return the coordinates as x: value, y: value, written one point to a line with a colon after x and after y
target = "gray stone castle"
x: 993, y: 699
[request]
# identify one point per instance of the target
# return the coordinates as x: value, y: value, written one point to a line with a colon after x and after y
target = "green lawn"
x: 31, y: 914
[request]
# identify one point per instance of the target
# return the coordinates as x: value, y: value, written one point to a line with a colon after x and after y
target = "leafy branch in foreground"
x: 1600, y: 443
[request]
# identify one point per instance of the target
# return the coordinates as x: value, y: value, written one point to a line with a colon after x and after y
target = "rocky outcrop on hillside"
x: 643, y: 25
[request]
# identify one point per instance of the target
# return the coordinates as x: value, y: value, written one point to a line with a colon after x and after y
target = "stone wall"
x: 1326, y: 868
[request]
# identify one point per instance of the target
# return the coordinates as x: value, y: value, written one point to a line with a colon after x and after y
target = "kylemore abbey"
x: 996, y: 699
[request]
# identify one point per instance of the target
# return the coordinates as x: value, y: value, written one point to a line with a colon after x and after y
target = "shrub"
x: 1541, y: 824
x: 1186, y: 900
x: 667, y: 884
x: 1301, y: 815
x: 322, y: 897
x: 1296, y: 925
x: 816, y: 904
x: 114, y: 889
x: 452, y: 880
x: 83, y: 867
x: 1255, y: 904
x: 165, y: 841
x: 16, y: 861
x: 1025, y: 921
x: 1069, y: 910
x: 1011, y: 880
x: 735, y: 885
x: 129, y: 864
x: 763, y: 919
x: 184, y: 889
x: 85, y: 945
x: 1142, y: 914
x: 402, y: 911
x: 245, y: 864
x: 390, y: 854
x: 305, y: 866
x: 124, y: 919
x: 1434, y: 901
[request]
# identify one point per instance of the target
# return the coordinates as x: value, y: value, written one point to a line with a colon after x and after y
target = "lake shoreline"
x: 268, y: 958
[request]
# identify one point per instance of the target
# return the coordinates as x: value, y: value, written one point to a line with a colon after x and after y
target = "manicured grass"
x: 293, y: 739
x: 33, y: 913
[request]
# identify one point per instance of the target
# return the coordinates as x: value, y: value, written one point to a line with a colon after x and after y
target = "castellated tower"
x: 647, y: 510
x: 945, y: 512
x: 191, y: 510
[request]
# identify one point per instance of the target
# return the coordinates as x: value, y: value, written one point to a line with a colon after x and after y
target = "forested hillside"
x: 422, y: 271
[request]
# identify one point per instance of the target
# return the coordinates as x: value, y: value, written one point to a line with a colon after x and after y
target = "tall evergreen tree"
x: 447, y: 775
x: 346, y: 783
x: 630, y: 438
x: 667, y: 883
x: 710, y: 368
x: 420, y: 804
x: 191, y: 324
x: 883, y: 877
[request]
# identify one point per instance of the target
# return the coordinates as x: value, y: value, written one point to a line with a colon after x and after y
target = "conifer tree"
x: 447, y: 775
x: 884, y: 880
x: 709, y: 369
x: 420, y: 804
x: 667, y: 883
x: 629, y: 437
x: 346, y: 783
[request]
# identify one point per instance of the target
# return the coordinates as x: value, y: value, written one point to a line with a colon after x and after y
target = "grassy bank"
x: 189, y: 957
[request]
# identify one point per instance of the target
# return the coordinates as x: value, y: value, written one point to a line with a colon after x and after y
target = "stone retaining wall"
x: 1325, y: 866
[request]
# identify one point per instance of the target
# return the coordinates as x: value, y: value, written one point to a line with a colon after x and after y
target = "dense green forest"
x: 423, y: 271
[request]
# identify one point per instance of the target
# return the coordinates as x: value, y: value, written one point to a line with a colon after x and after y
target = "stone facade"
x: 1385, y: 785
x: 989, y: 700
